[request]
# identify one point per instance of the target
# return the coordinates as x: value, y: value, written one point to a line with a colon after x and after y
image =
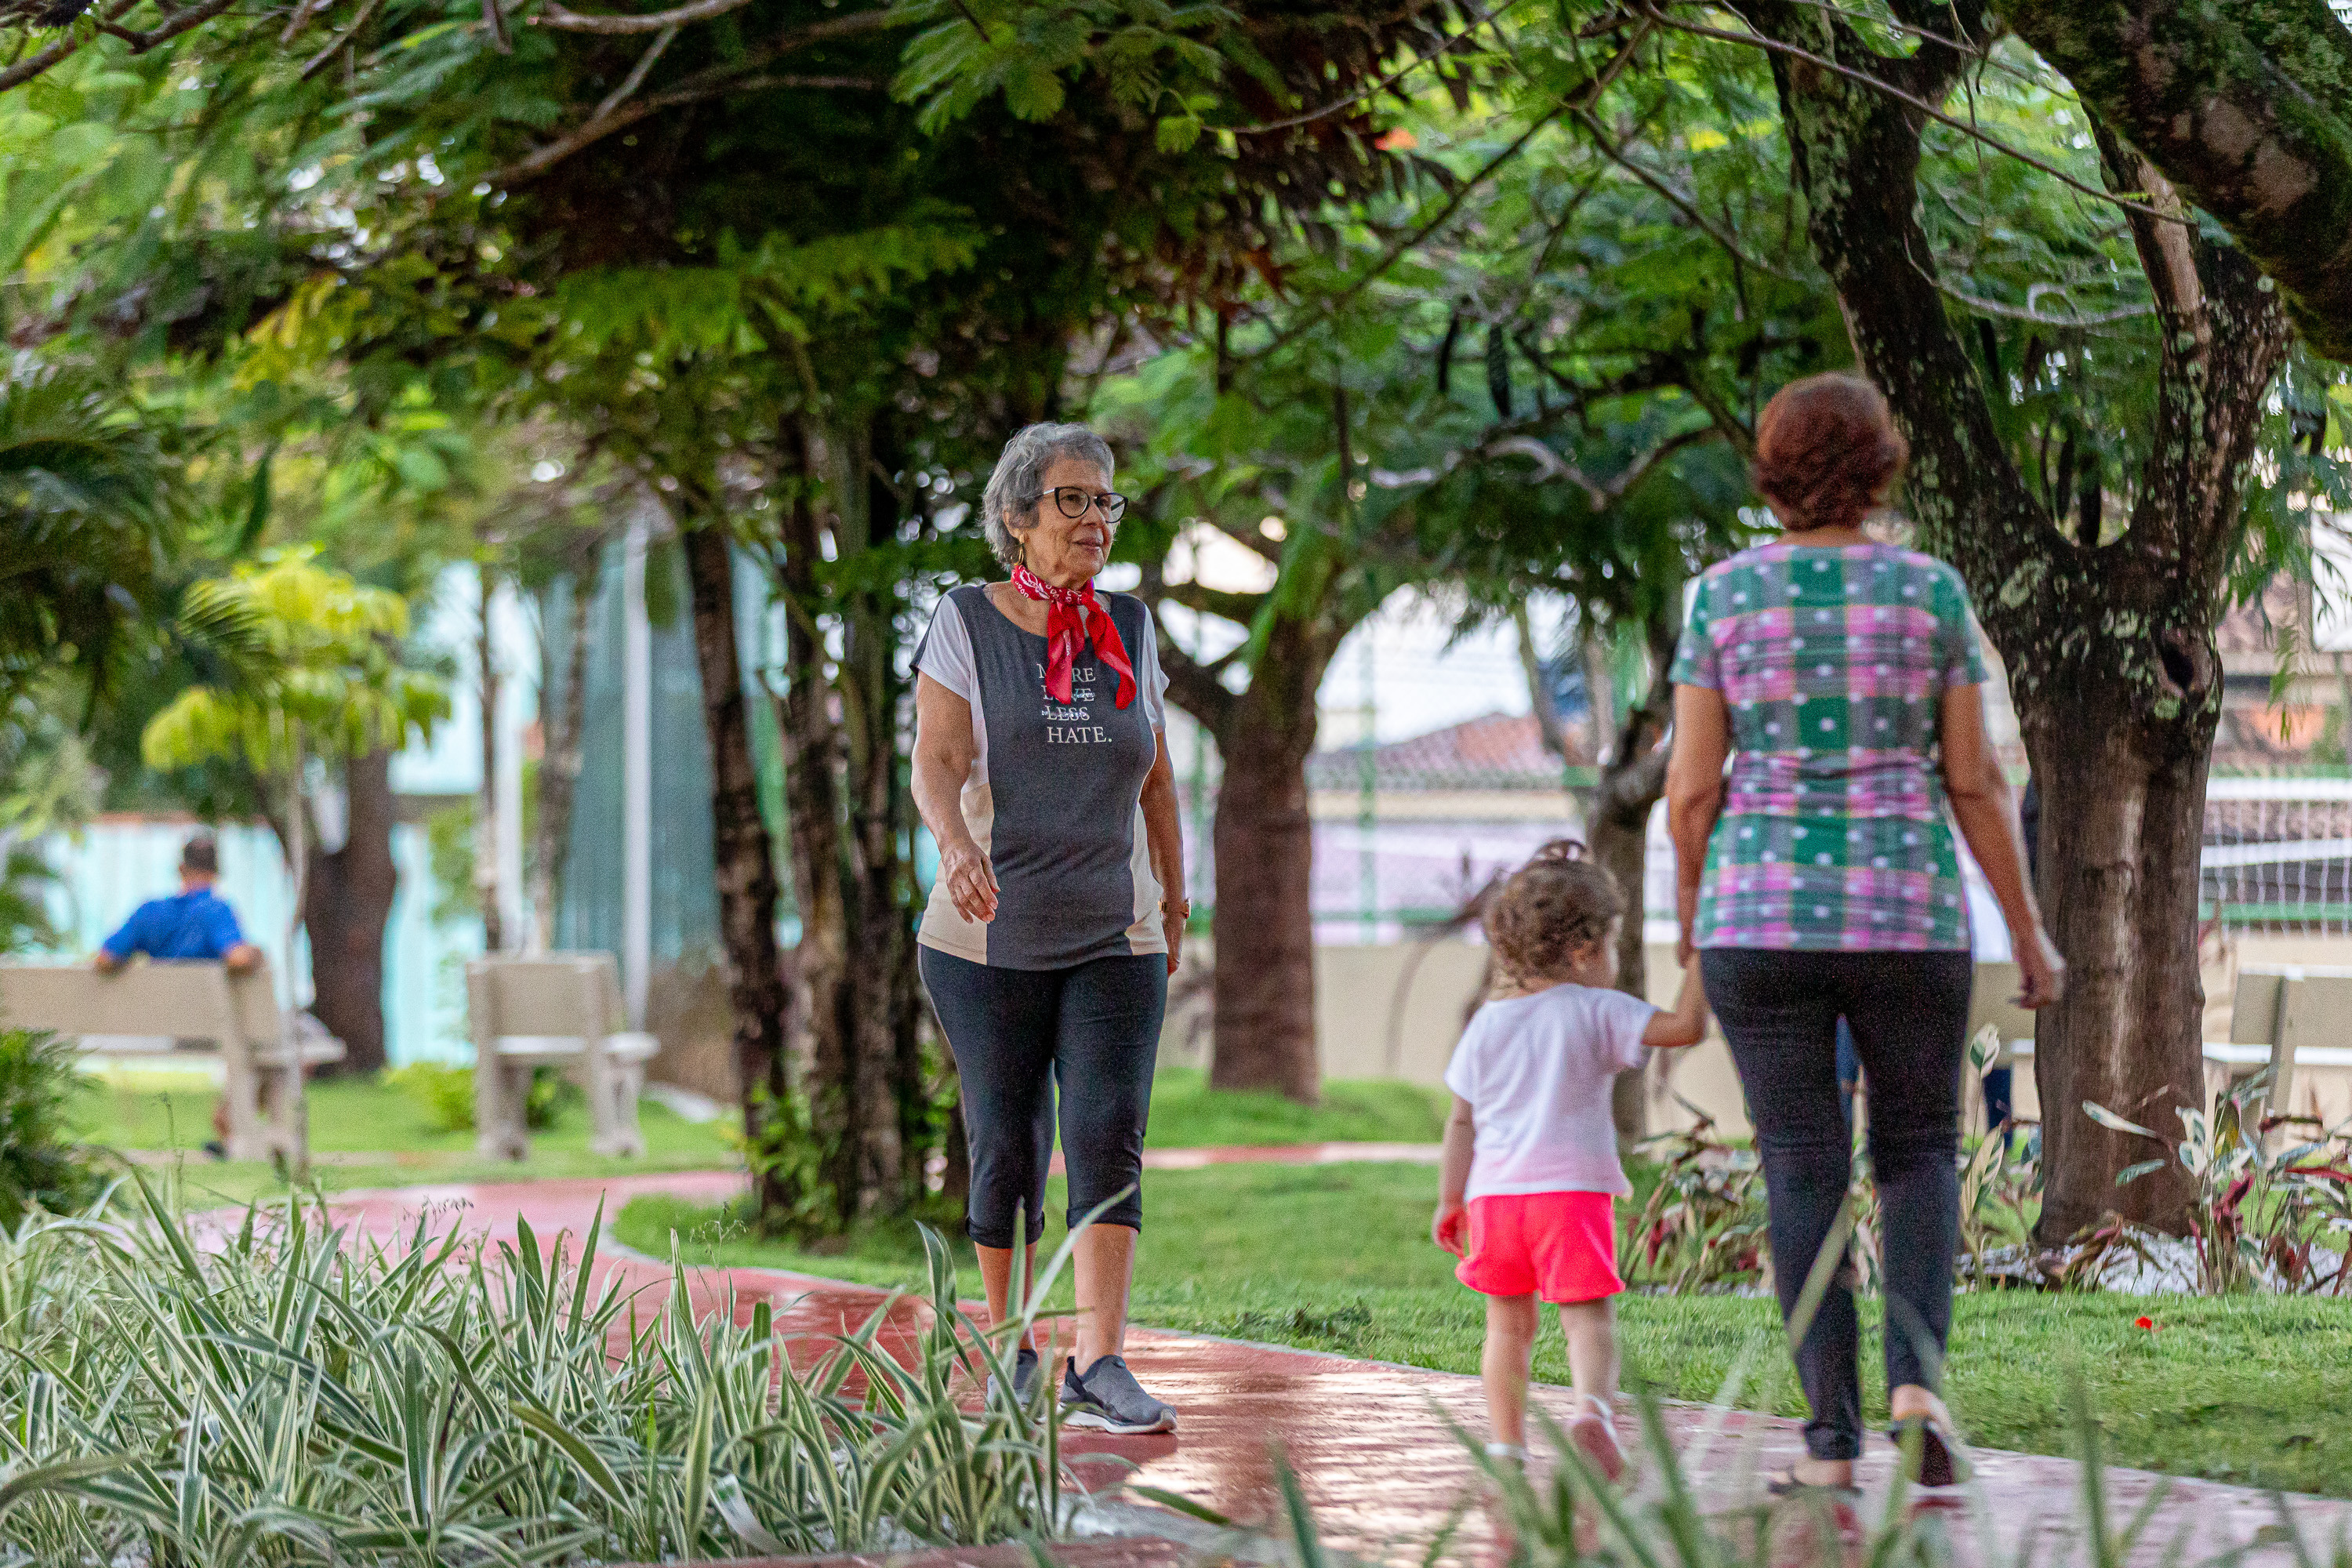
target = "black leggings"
x: 1093, y: 1029
x: 1909, y: 1015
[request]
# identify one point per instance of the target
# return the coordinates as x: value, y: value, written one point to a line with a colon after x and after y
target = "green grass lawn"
x: 371, y: 1135
x: 1186, y: 1113
x: 1337, y: 1258
x: 368, y: 1135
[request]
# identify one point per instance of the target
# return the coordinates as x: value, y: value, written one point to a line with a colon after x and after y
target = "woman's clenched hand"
x: 971, y: 883
x: 2041, y: 972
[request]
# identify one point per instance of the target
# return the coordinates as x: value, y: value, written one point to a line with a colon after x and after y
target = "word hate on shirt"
x: 1064, y: 732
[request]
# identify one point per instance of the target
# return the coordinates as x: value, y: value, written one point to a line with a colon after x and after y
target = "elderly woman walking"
x: 1041, y: 770
x: 1842, y: 678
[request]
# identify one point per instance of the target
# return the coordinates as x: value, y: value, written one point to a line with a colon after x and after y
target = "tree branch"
x: 1445, y: 46
x: 1652, y: 372
x: 1249, y: 538
x: 2026, y: 313
x: 1674, y: 198
x: 25, y: 70
x: 1239, y: 608
x: 177, y: 23
x: 1603, y: 495
x: 334, y: 46
x: 1855, y: 156
x: 2243, y: 108
x: 636, y: 77
x: 556, y: 16
x: 1196, y: 686
x: 1726, y: 419
x: 2221, y: 339
x: 1879, y: 83
x: 171, y: 27
x: 713, y: 83
x: 1397, y: 251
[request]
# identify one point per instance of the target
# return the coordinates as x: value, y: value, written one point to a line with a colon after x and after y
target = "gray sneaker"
x: 1025, y: 1375
x: 1108, y: 1399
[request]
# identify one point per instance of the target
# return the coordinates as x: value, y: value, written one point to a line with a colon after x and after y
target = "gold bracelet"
x: 1180, y: 908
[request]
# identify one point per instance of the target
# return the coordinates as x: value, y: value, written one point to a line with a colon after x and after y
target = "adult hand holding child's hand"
x: 1445, y: 1228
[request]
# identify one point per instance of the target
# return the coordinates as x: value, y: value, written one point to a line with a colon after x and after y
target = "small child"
x: 1531, y: 1148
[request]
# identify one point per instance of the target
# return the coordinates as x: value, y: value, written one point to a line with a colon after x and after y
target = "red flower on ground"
x: 2148, y: 1323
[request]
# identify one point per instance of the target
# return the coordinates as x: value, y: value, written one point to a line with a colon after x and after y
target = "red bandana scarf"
x: 1072, y: 616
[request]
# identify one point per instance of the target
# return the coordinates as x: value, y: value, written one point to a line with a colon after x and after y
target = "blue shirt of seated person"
x: 195, y: 923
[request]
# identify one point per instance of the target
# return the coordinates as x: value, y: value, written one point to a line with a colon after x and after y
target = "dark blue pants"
x: 1092, y: 1031
x: 1909, y: 1013
x: 2000, y: 1097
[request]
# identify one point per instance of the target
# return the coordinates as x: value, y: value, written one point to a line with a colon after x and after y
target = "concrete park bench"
x: 185, y: 1000
x: 2296, y: 1021
x: 562, y: 1010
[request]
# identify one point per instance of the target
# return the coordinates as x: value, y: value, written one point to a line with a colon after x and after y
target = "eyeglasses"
x: 1074, y: 499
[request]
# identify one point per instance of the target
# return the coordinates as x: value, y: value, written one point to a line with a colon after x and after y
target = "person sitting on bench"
x: 195, y: 923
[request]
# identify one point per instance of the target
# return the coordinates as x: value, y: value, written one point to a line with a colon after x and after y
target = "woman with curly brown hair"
x: 1527, y: 1194
x: 1818, y: 879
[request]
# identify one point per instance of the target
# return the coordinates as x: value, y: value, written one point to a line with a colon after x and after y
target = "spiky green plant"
x: 288, y: 1391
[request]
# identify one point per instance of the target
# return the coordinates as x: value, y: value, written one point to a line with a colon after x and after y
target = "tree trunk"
x: 743, y: 860
x: 486, y: 803
x: 1600, y: 691
x: 1264, y: 923
x: 2120, y: 887
x: 1548, y: 728
x: 2145, y: 701
x: 558, y: 765
x: 2109, y: 647
x: 918, y: 1137
x: 346, y: 905
x: 813, y: 811
x: 869, y: 683
x: 1632, y: 779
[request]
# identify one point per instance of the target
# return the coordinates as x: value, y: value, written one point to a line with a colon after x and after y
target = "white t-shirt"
x: 1536, y: 1071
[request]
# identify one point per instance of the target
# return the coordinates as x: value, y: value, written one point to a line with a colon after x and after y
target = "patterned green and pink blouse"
x: 1832, y: 662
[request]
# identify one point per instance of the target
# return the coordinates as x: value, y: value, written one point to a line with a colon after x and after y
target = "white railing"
x: 2278, y: 854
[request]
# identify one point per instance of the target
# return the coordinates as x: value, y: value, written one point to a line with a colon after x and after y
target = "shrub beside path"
x: 1370, y: 1441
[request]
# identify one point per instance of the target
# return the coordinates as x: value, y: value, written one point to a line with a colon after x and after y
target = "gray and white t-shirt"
x: 1056, y: 791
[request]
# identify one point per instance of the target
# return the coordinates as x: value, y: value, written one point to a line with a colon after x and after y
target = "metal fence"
x: 2277, y: 858
x: 2278, y: 855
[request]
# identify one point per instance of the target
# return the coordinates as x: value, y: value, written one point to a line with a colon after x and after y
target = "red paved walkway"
x: 1370, y: 1440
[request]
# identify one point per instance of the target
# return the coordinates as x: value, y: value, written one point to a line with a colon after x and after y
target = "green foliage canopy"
x: 334, y: 681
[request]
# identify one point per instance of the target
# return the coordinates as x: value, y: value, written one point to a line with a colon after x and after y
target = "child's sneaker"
x: 1594, y: 1433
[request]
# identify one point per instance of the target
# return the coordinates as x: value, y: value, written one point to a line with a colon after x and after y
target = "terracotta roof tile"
x: 1499, y: 751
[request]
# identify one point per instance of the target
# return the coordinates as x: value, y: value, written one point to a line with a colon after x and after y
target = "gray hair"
x: 1019, y: 481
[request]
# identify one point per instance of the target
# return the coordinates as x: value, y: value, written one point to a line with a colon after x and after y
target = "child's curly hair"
x: 1554, y: 906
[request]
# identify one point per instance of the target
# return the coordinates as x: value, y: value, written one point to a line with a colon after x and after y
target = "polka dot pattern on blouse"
x: 1832, y: 662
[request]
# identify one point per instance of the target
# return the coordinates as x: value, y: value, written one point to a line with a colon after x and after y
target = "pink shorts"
x: 1562, y: 1247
